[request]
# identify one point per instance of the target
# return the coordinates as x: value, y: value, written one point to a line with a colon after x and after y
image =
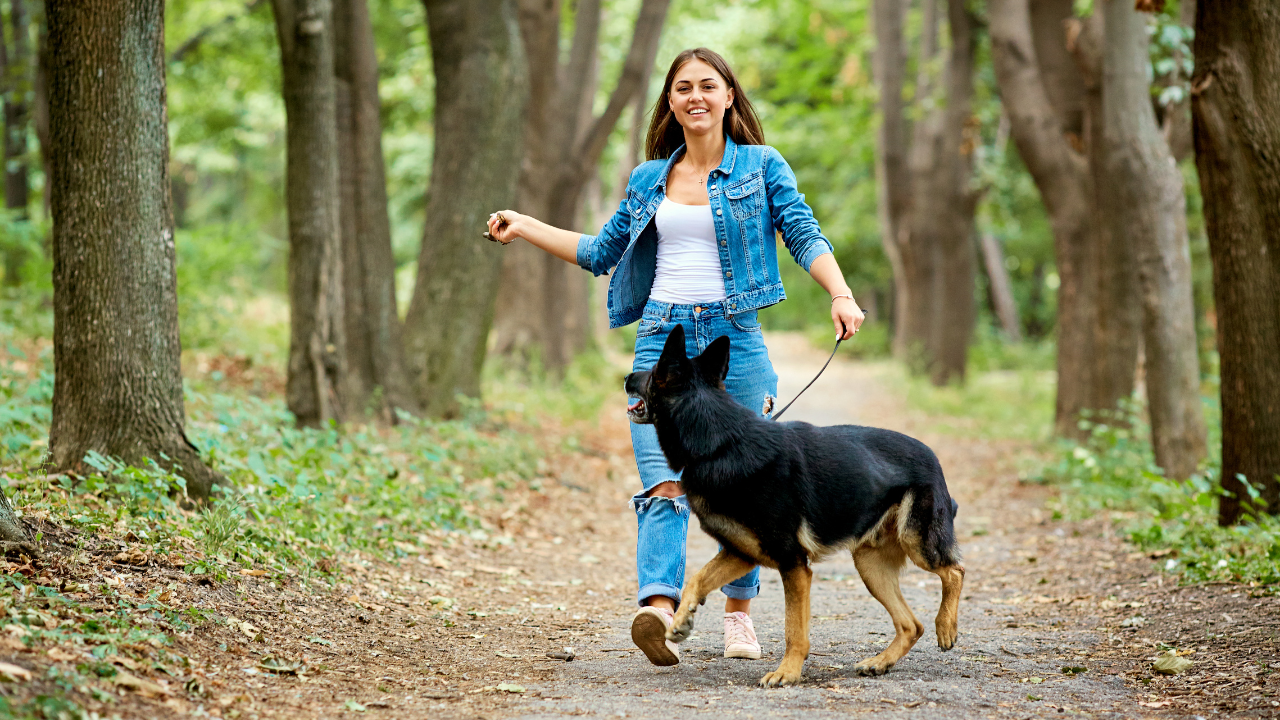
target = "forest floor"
x: 1057, y: 617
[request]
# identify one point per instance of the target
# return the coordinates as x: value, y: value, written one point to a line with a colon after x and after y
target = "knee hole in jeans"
x: 668, y: 489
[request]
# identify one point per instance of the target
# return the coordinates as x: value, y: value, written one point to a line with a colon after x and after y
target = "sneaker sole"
x: 743, y: 654
x: 650, y: 635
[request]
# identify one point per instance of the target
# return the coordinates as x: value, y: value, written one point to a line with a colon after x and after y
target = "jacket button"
x: 719, y: 211
x: 713, y: 187
x: 728, y: 273
x: 723, y: 243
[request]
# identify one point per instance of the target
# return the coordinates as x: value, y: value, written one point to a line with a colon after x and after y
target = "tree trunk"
x: 14, y: 538
x: 18, y: 65
x: 927, y: 206
x: 542, y: 302
x: 1149, y: 212
x: 317, y: 337
x: 1235, y: 106
x: 118, y: 387
x: 1117, y: 323
x: 480, y: 101
x: 376, y: 377
x: 1001, y: 290
x: 954, y: 309
x: 1052, y: 153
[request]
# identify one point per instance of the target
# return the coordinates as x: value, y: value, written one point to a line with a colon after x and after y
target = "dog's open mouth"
x: 637, y: 411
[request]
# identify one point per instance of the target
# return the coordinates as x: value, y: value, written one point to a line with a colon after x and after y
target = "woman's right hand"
x: 505, y: 225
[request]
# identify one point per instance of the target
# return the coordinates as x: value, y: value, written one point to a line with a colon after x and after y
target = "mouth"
x: 637, y: 411
x: 698, y: 111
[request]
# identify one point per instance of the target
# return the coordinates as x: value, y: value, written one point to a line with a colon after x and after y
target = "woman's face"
x: 699, y: 97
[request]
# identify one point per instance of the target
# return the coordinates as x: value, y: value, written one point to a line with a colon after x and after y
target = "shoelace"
x: 738, y: 632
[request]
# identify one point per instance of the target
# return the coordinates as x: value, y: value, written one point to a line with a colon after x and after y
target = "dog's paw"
x: 947, y: 636
x: 873, y: 666
x: 780, y: 678
x: 681, y: 627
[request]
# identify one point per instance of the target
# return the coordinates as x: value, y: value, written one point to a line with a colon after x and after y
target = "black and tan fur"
x: 786, y: 495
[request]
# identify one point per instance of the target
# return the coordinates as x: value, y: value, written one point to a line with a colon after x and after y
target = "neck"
x: 705, y: 151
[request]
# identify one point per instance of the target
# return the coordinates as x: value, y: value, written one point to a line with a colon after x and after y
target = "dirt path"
x: 463, y: 626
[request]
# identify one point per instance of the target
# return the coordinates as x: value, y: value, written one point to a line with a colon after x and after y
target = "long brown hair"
x: 740, y: 121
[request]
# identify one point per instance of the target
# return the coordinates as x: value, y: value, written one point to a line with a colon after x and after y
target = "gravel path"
x: 1009, y: 661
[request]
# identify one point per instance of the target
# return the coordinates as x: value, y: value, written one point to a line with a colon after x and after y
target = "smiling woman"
x: 692, y: 246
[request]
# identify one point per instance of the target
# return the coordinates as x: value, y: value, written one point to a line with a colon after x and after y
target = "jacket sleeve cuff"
x: 816, y: 249
x: 584, y: 252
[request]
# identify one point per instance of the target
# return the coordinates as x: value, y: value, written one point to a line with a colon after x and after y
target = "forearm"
x: 561, y: 243
x: 826, y: 272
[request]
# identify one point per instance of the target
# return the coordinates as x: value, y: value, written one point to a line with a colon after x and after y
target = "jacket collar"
x: 725, y: 168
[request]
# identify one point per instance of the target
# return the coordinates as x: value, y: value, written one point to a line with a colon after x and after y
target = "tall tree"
x: 317, y: 337
x: 926, y: 197
x: 1056, y: 124
x: 542, y: 301
x: 480, y: 72
x: 375, y: 352
x: 1149, y: 212
x: 17, y: 66
x: 1235, y: 106
x: 118, y: 385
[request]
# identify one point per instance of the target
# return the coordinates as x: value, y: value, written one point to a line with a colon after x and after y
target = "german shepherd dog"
x: 785, y: 495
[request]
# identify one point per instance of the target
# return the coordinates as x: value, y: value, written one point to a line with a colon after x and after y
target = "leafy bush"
x: 1114, y: 470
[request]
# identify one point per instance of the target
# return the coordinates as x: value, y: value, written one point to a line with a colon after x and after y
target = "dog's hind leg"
x: 879, y: 568
x: 947, y: 624
x: 796, y: 583
x: 725, y: 567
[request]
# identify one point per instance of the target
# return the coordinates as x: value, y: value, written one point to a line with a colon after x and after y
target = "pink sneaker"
x: 740, y: 637
x: 649, y: 633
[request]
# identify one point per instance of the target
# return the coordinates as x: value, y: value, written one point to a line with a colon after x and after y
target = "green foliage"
x: 1114, y: 470
x: 996, y: 404
x: 26, y: 395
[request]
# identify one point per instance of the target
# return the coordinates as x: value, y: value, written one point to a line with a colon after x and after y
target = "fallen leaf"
x: 911, y: 704
x: 132, y: 556
x: 1157, y: 704
x: 509, y: 656
x: 353, y: 705
x: 1073, y: 669
x: 509, y: 688
x: 1170, y: 664
x: 139, y: 685
x: 253, y: 573
x: 319, y: 641
x: 280, y: 666
x: 14, y: 673
x: 444, y: 602
x: 440, y: 561
x: 60, y: 655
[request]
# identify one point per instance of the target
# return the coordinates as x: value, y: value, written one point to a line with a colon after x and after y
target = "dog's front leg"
x: 724, y: 567
x: 795, y: 588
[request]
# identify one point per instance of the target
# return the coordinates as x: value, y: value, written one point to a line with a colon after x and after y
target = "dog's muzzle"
x: 638, y: 411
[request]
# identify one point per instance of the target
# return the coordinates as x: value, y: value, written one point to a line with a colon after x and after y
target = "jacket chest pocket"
x: 745, y: 198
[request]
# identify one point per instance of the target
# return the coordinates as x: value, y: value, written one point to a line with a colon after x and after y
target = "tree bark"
x: 14, y: 538
x: 542, y: 302
x: 1053, y: 155
x: 376, y: 378
x: 17, y: 62
x: 1117, y: 323
x: 118, y: 384
x: 1149, y: 212
x: 317, y: 338
x: 1235, y: 106
x: 927, y: 208
x: 1001, y: 290
x: 480, y: 101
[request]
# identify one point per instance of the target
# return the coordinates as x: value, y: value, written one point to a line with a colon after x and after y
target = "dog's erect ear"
x: 713, y: 363
x: 671, y: 365
x: 674, y: 348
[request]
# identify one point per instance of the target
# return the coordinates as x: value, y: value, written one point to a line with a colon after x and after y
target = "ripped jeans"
x: 664, y: 522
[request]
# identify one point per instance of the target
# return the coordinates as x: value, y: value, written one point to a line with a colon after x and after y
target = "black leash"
x: 778, y: 414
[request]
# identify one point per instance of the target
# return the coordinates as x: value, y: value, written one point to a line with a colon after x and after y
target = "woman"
x: 693, y: 244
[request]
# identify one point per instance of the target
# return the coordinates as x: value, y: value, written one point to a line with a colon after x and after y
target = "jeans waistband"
x: 665, y: 310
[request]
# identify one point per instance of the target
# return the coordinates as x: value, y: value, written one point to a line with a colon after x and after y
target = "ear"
x: 713, y: 363
x: 673, y: 359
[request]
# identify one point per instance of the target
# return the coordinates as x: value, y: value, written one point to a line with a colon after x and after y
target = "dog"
x: 786, y: 495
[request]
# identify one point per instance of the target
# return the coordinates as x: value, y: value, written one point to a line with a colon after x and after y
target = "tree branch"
x: 195, y: 40
x: 641, y: 55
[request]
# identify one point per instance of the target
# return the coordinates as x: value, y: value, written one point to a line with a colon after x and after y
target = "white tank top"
x: 688, y: 269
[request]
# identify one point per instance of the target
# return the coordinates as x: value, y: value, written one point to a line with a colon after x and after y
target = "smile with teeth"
x: 698, y: 111
x: 635, y: 407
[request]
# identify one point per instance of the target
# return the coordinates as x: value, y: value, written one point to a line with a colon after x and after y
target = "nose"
x: 626, y: 381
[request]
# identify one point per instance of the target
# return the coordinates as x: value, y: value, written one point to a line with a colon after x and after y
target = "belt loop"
x: 666, y: 314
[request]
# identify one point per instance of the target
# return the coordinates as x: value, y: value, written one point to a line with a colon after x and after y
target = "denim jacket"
x: 753, y: 194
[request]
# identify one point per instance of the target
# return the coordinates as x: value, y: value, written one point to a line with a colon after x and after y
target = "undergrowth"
x: 1114, y: 471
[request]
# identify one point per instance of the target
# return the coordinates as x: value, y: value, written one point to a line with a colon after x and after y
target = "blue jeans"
x: 664, y: 522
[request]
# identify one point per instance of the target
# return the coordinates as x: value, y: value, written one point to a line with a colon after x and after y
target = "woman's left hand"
x: 847, y: 316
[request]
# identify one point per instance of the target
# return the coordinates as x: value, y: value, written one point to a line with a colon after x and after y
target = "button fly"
x: 697, y: 310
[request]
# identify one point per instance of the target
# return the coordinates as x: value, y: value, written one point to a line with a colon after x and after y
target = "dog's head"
x: 675, y: 375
